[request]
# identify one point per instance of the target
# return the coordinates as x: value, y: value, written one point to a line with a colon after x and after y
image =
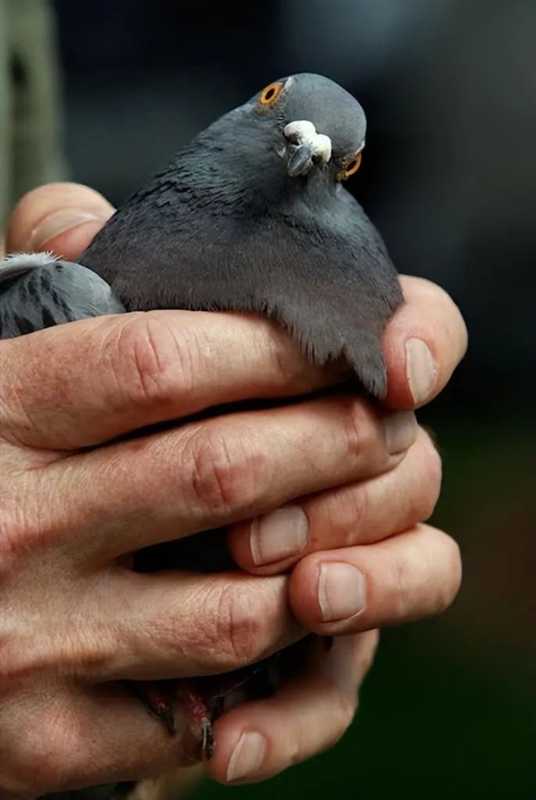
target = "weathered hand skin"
x: 235, y: 225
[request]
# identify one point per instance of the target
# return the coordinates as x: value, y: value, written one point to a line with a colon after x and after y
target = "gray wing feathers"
x: 21, y: 263
x: 37, y: 291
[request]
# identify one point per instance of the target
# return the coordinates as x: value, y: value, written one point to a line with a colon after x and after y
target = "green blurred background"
x: 449, y: 176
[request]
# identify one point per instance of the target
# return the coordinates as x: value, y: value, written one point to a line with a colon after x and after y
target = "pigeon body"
x: 251, y: 216
x: 226, y: 226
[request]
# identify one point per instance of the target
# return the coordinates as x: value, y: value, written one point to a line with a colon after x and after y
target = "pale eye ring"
x: 350, y: 168
x: 271, y: 93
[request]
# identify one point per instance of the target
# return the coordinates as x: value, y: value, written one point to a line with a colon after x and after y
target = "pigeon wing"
x: 38, y: 290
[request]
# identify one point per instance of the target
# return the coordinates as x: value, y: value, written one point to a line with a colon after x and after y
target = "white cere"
x: 303, y: 131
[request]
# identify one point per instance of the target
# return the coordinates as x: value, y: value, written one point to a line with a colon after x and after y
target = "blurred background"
x: 449, y: 177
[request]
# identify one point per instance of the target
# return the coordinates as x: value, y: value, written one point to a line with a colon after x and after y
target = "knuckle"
x: 237, y: 626
x: 145, y: 361
x: 360, y: 432
x: 22, y: 530
x: 348, y: 513
x: 225, y: 633
x: 227, y: 472
x: 358, y: 510
x: 33, y: 517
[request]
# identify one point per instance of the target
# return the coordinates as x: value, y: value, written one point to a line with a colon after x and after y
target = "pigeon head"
x: 303, y: 126
x: 316, y: 124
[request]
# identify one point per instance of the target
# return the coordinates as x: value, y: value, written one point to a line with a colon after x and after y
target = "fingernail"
x: 278, y: 535
x: 247, y: 757
x: 421, y: 370
x: 400, y: 431
x: 341, y: 591
x: 59, y: 222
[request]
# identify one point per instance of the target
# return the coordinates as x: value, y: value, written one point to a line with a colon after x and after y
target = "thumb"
x: 62, y: 217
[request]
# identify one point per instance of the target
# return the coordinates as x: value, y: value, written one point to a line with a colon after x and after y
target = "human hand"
x: 401, y: 577
x: 75, y: 621
x: 364, y: 557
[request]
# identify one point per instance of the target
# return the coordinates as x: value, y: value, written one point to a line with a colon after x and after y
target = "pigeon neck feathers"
x: 232, y: 169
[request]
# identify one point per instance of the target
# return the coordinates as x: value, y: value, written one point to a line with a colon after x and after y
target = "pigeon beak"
x: 299, y: 159
x: 304, y: 147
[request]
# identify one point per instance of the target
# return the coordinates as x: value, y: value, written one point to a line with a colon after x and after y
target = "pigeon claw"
x: 207, y: 739
x: 160, y: 699
x: 159, y: 703
x: 198, y: 713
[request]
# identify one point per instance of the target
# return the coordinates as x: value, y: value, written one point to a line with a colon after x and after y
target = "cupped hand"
x: 364, y: 557
x: 78, y: 498
x: 359, y: 556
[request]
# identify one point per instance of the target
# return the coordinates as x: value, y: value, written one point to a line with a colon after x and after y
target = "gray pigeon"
x: 251, y: 216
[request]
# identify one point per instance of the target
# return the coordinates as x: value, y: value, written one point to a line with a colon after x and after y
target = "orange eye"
x: 270, y: 94
x: 351, y: 168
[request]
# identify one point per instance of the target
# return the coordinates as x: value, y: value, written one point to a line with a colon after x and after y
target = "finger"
x: 423, y: 343
x: 95, y: 736
x: 209, y: 474
x: 174, y: 625
x: 409, y: 576
x: 62, y: 217
x: 310, y: 713
x: 357, y: 513
x: 79, y: 384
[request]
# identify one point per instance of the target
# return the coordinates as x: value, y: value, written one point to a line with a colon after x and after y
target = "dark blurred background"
x: 449, y: 176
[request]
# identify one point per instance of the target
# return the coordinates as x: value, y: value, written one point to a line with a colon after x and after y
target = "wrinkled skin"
x: 76, y: 622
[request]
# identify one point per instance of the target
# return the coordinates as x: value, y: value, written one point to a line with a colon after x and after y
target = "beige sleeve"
x: 30, y: 141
